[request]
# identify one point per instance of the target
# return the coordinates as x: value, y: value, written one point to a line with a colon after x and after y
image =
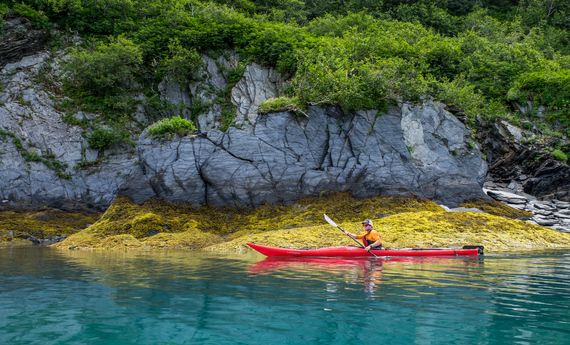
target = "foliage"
x: 3, y: 10
x: 172, y: 126
x: 102, y: 138
x: 278, y: 104
x: 479, y: 56
x: 549, y: 87
x: 559, y: 155
x: 104, y: 73
x: 38, y: 18
x: 182, y: 64
x: 352, y: 73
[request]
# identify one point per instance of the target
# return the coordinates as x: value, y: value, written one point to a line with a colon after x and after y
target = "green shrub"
x: 3, y: 10
x: 559, y: 155
x: 31, y: 156
x: 104, y: 75
x: 182, y: 64
x: 101, y: 138
x: 171, y: 127
x: 272, y: 105
x: 331, y: 74
x: 38, y: 18
x: 199, y: 106
x: 550, y: 88
x: 18, y: 143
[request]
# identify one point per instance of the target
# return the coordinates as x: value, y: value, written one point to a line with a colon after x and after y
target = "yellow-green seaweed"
x: 41, y: 224
x: 403, y: 222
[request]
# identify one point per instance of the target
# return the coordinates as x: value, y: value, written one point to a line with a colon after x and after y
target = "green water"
x: 50, y: 296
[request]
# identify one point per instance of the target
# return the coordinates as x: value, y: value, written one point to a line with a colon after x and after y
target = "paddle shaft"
x: 330, y: 221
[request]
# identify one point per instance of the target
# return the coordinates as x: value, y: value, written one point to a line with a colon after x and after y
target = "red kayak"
x: 353, y: 252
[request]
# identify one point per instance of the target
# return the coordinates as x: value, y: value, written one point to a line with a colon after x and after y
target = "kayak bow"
x: 352, y: 252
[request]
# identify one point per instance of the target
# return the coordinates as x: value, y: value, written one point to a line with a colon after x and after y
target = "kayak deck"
x: 352, y: 251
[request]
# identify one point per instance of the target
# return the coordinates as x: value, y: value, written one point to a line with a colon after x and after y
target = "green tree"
x: 104, y: 73
x: 182, y: 64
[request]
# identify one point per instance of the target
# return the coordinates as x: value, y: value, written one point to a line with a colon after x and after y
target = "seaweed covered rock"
x: 43, y: 226
x: 160, y: 224
x: 403, y: 222
x: 420, y: 230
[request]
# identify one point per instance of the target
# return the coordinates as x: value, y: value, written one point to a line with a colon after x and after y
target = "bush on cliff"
x: 102, y: 138
x: 170, y: 127
x: 547, y: 87
x: 397, y: 50
x: 272, y: 105
x: 104, y: 74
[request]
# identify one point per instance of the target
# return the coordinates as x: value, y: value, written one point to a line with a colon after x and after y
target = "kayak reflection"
x: 354, y: 271
x: 364, y: 272
x: 273, y: 263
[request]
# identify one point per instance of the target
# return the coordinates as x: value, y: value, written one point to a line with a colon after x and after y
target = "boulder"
x: 509, y: 198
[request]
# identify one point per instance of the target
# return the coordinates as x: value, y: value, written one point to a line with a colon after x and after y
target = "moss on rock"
x: 13, y: 241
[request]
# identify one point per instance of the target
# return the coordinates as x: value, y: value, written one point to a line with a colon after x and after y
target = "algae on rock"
x: 403, y: 222
x: 17, y: 227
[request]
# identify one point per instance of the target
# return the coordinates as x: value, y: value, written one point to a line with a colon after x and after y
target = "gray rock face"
x: 257, y: 84
x: 276, y: 157
x: 19, y: 39
x: 40, y: 155
x: 288, y: 157
x: 206, y: 91
x: 178, y: 96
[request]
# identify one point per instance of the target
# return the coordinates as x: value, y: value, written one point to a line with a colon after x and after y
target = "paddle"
x: 330, y: 221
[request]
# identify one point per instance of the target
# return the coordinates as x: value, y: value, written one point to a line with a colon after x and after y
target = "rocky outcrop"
x: 554, y: 214
x: 280, y: 157
x: 42, y: 158
x: 257, y: 84
x: 525, y: 176
x: 513, y: 159
x: 19, y: 39
x: 412, y: 149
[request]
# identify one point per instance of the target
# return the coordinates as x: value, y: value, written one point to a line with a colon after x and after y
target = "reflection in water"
x: 362, y: 271
x: 354, y: 271
x: 180, y: 297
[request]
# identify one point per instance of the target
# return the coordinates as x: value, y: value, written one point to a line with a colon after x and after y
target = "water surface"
x: 50, y: 296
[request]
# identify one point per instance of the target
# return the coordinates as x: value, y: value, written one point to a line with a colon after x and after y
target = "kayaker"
x: 371, y: 239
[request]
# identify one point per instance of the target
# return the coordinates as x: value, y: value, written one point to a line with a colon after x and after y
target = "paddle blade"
x: 330, y: 221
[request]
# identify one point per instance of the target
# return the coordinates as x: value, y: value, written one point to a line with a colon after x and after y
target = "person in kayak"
x: 371, y: 239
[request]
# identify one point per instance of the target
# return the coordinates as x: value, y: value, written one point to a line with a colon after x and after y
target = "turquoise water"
x: 50, y: 296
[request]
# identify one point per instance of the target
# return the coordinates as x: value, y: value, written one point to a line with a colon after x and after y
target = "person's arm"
x: 358, y: 237
x: 374, y: 245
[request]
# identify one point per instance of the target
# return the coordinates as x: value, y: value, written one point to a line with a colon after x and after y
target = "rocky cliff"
x: 409, y: 149
x: 278, y: 157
